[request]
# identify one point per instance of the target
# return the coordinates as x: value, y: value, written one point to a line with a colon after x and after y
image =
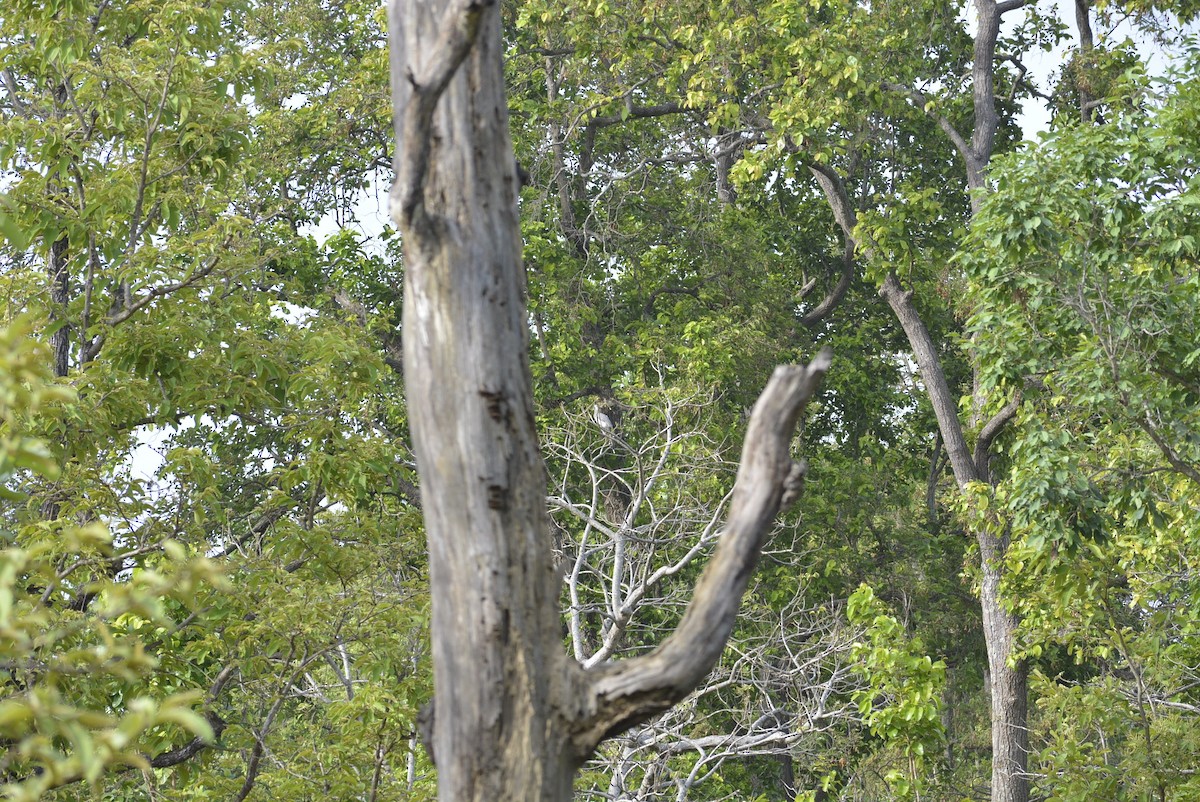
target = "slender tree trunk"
x: 60, y: 296
x: 1009, y: 680
x: 787, y: 776
x: 1010, y: 739
x: 725, y: 159
x: 562, y: 177
x: 1083, y: 21
x: 57, y: 269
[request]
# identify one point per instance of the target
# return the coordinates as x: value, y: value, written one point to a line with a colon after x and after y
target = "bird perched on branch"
x: 606, y: 425
x: 603, y: 421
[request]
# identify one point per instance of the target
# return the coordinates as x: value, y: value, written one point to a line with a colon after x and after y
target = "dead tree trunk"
x: 515, y: 717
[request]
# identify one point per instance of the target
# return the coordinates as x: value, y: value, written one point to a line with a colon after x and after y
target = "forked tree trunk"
x: 1009, y: 678
x: 514, y: 716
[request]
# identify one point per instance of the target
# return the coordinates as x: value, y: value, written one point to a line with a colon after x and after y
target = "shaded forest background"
x: 213, y: 584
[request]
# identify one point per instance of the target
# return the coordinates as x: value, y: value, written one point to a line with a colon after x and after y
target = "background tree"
x: 747, y: 94
x: 1088, y: 296
x: 245, y: 411
x: 230, y: 407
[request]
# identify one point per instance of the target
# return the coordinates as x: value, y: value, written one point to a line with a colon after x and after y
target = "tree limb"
x: 839, y: 200
x: 928, y: 362
x: 983, y: 444
x: 830, y: 302
x: 197, y: 745
x: 623, y: 694
x: 639, y: 113
x: 921, y: 99
x: 10, y: 86
x: 945, y: 406
x: 130, y: 309
x: 1176, y: 462
x: 843, y: 212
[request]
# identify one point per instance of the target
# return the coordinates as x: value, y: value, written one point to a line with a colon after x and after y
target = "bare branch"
x: 1176, y: 462
x: 633, y: 112
x: 830, y: 302
x: 921, y: 99
x: 945, y: 406
x: 839, y: 200
x: 10, y: 86
x: 144, y: 300
x: 843, y: 212
x: 628, y: 692
x: 254, y: 762
x: 782, y: 686
x: 1020, y: 79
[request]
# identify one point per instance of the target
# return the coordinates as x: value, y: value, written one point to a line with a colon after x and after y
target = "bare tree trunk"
x: 787, y: 776
x: 726, y: 156
x: 1010, y: 736
x: 563, y: 178
x: 515, y: 717
x: 58, y: 273
x: 499, y: 672
x: 1010, y: 681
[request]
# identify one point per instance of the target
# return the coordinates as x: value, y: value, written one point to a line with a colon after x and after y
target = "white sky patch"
x: 295, y: 102
x: 369, y: 215
x: 147, y: 458
x: 293, y: 314
x: 1045, y: 67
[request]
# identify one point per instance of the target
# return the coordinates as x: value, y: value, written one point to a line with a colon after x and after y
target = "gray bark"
x: 498, y: 671
x: 515, y: 717
x: 57, y: 268
x: 1009, y: 686
x: 1009, y: 682
x: 1087, y: 43
x: 1009, y: 694
x: 562, y: 178
x: 1010, y: 679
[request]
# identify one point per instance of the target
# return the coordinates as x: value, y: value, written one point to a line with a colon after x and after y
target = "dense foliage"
x: 212, y: 576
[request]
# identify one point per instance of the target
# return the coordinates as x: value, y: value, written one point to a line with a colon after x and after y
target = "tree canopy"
x: 214, y: 575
